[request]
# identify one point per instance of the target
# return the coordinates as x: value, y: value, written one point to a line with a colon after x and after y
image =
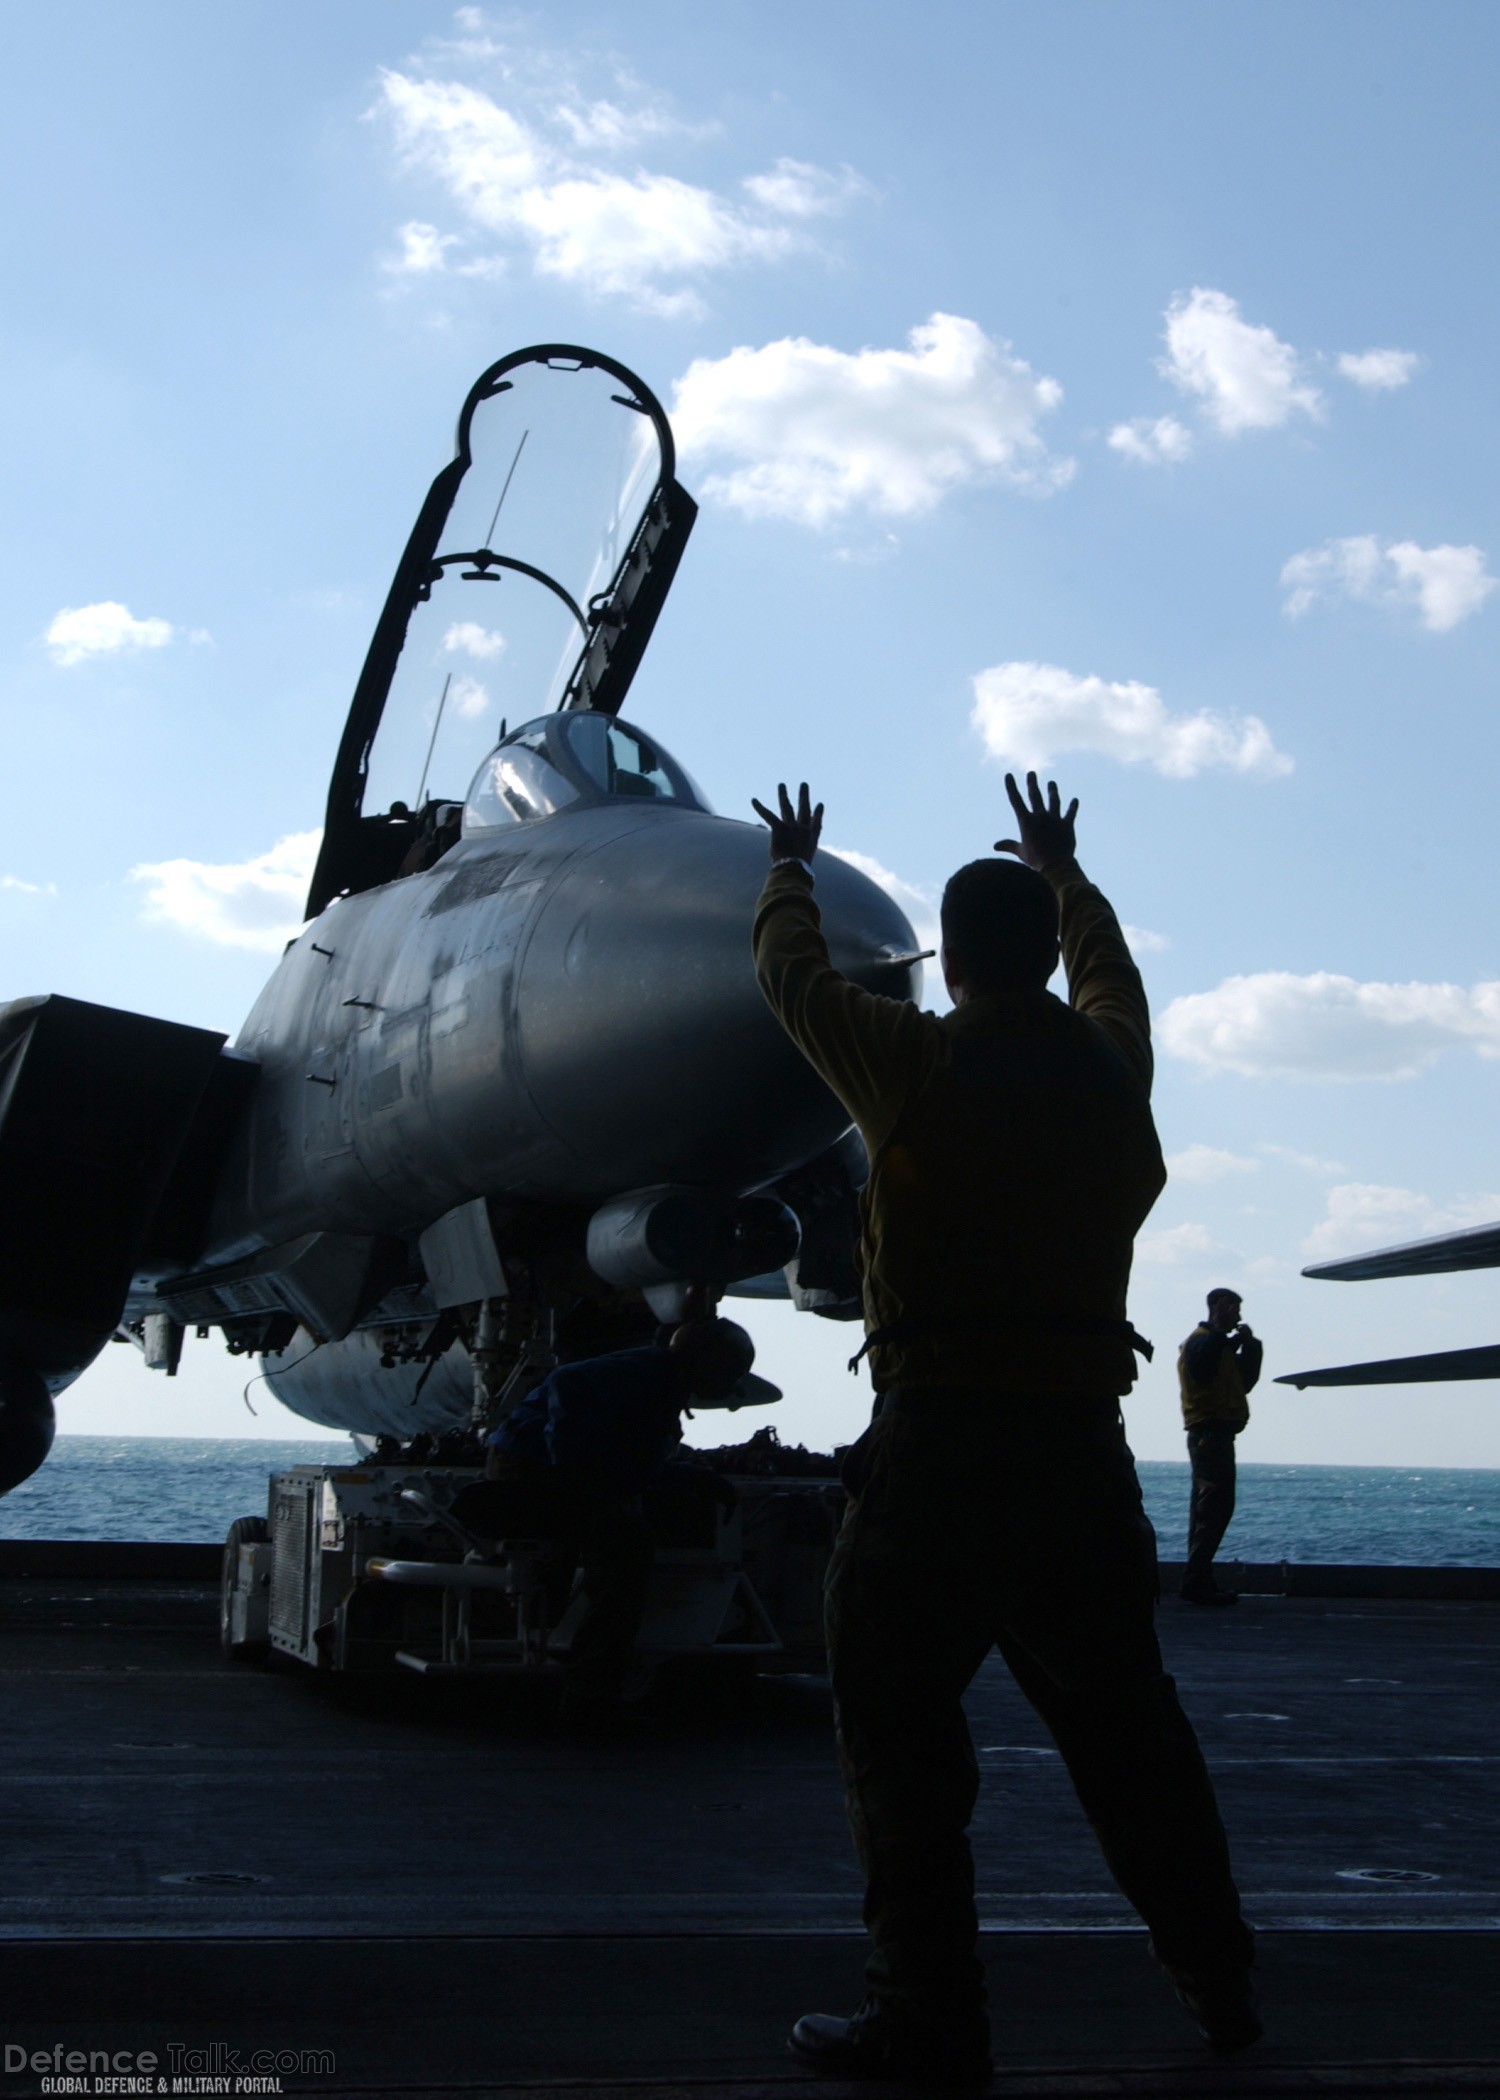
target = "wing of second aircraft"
x: 1476, y: 1248
x: 1445, y: 1364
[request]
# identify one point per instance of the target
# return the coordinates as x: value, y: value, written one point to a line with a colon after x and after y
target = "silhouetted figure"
x: 1217, y: 1366
x: 994, y: 1498
x: 572, y: 1461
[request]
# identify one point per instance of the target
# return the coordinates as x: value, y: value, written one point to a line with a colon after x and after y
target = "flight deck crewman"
x: 571, y: 1462
x: 1217, y: 1366
x: 1013, y: 1158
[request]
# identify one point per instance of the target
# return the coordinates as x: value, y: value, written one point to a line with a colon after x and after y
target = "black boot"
x: 945, y: 2055
x: 1224, y: 2006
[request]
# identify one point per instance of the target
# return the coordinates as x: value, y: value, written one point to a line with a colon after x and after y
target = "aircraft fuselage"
x: 562, y: 1013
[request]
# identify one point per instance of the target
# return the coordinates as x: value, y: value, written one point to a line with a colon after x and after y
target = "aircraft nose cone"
x: 645, y: 1040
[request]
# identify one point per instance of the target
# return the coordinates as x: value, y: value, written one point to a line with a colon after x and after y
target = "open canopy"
x: 532, y: 579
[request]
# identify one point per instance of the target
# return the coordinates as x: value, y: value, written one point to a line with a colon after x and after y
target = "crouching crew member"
x: 572, y: 1461
x: 1217, y: 1366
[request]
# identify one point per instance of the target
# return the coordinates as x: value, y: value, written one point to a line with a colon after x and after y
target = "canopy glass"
x: 563, y: 471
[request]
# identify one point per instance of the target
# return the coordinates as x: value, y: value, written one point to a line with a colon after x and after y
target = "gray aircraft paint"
x: 583, y: 1020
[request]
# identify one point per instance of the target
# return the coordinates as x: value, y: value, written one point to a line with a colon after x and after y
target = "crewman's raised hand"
x: 1046, y: 828
x: 794, y: 832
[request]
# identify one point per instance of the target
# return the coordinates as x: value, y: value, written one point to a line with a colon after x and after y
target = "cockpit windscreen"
x: 516, y: 784
x: 543, y: 766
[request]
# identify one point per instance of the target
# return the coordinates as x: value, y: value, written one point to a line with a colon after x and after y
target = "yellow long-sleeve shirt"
x: 1013, y: 1155
x: 1216, y: 1373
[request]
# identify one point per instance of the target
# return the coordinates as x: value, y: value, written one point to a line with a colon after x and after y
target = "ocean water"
x: 154, y: 1487
x: 146, y: 1487
x: 1423, y: 1516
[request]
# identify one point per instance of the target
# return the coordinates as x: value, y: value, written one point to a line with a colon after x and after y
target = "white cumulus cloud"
x: 81, y: 631
x: 469, y: 699
x: 816, y: 432
x: 1245, y: 377
x: 1379, y: 371
x: 539, y: 179
x: 474, y: 39
x: 797, y: 189
x: 423, y: 249
x: 256, y: 903
x: 468, y: 638
x: 1442, y: 585
x: 20, y: 888
x: 1028, y: 714
x: 1141, y: 941
x: 605, y: 126
x: 1447, y: 583
x: 1174, y: 1246
x: 1364, y: 1214
x: 1277, y: 1026
x: 1151, y: 442
x: 1207, y: 1163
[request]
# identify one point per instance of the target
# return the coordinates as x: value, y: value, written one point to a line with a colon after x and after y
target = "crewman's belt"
x: 1090, y: 1326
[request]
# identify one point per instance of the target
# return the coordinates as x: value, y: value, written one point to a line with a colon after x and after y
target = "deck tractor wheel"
x: 245, y: 1590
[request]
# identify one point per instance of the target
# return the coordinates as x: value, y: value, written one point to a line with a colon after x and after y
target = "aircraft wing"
x: 1476, y: 1248
x: 1408, y: 1370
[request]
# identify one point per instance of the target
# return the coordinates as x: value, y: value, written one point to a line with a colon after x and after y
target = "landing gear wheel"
x: 244, y: 1605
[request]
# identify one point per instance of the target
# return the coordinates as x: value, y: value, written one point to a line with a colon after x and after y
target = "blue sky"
x: 1105, y: 386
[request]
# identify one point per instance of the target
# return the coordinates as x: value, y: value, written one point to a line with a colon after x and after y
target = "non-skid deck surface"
x: 430, y: 1883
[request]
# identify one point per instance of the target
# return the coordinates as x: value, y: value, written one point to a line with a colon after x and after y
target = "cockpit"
x: 566, y: 758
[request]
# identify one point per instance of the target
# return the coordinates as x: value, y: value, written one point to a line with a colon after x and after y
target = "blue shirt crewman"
x: 571, y: 1462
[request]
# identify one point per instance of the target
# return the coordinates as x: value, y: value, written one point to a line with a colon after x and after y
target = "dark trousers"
x: 1211, y: 1455
x: 595, y: 1528
x: 984, y: 1520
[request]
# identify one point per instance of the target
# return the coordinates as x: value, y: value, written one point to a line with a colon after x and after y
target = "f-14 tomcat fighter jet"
x: 515, y: 1078
x: 1478, y: 1247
